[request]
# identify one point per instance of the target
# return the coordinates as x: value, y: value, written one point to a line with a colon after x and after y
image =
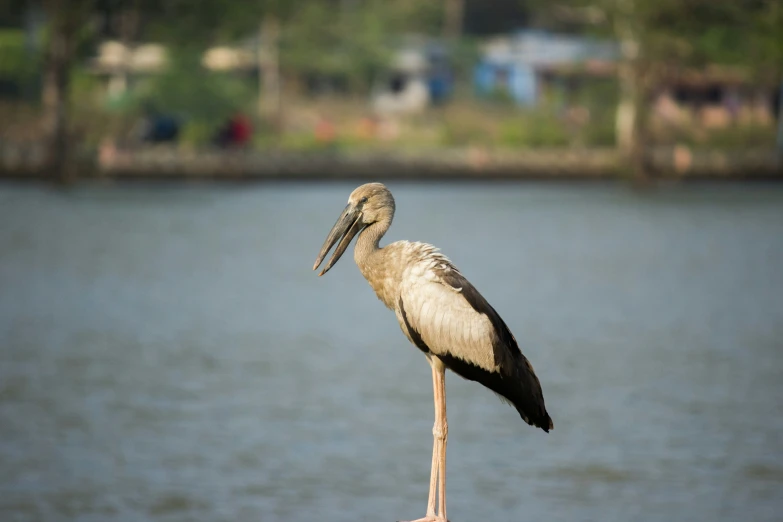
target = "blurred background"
x: 167, y: 354
x: 512, y: 87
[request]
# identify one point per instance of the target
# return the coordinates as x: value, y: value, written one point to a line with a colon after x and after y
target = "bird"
x: 442, y: 314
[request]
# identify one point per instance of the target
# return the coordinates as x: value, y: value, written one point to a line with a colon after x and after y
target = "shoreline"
x: 171, y: 164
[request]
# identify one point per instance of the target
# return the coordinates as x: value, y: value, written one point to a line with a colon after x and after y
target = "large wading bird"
x: 442, y: 314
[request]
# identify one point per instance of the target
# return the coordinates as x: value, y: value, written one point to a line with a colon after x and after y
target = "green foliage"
x: 468, y: 124
x: 733, y: 137
x: 688, y: 33
x: 742, y: 137
x: 464, y: 135
x: 464, y: 54
x: 600, y: 132
x: 85, y: 88
x: 492, y: 125
x: 197, y: 133
x: 310, y: 45
x: 600, y: 98
x: 183, y: 23
x: 15, y: 60
x: 353, y: 40
x: 344, y: 38
x: 349, y: 39
x: 533, y: 129
x: 187, y: 89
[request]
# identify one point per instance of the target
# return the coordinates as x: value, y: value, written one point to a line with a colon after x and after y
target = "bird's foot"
x: 430, y: 518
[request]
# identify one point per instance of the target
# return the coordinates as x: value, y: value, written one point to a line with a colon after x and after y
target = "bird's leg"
x: 437, y: 446
x: 435, y: 449
x: 441, y: 433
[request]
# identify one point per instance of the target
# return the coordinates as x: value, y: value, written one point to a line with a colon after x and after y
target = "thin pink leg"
x: 435, y: 459
x: 441, y: 433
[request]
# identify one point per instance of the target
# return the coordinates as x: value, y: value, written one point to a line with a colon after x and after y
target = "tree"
x: 353, y: 38
x: 66, y: 20
x: 656, y: 36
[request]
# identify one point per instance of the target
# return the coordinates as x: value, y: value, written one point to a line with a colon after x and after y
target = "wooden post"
x: 269, y: 69
x: 452, y: 19
x: 64, y: 21
x: 780, y: 119
x: 55, y: 88
x: 630, y: 122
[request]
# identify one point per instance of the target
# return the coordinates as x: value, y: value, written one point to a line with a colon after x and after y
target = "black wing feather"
x: 414, y: 335
x: 517, y: 381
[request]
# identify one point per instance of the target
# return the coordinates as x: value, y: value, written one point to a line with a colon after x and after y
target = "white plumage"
x: 439, y: 312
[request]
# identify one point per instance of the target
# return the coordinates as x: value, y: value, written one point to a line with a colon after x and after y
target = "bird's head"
x: 368, y: 204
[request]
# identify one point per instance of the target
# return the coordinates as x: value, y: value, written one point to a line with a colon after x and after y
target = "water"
x: 166, y: 354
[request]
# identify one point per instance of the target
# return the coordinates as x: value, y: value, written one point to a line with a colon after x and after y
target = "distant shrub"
x: 195, y: 94
x: 533, y: 129
x: 731, y: 137
x: 460, y: 135
x: 467, y: 123
x: 600, y: 132
x: 741, y: 136
x: 19, y: 69
x: 196, y: 134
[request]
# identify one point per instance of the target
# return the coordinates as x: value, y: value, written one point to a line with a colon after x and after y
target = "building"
x: 527, y: 63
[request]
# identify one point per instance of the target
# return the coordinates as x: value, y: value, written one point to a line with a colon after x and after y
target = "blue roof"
x: 531, y: 47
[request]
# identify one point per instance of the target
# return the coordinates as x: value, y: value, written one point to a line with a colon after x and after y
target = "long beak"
x: 347, y: 226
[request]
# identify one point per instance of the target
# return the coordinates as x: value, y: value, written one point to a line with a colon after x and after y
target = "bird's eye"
x: 363, y: 200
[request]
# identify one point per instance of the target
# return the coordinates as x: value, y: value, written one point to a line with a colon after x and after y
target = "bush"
x: 741, y: 136
x: 600, y: 132
x: 19, y: 71
x: 533, y: 129
x: 195, y: 94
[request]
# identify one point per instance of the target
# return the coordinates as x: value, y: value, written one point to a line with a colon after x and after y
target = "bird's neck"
x: 368, y: 241
x: 374, y: 262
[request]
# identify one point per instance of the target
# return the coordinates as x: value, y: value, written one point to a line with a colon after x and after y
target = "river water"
x: 167, y: 354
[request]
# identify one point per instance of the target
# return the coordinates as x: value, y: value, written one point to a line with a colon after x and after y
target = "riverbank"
x: 110, y: 162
